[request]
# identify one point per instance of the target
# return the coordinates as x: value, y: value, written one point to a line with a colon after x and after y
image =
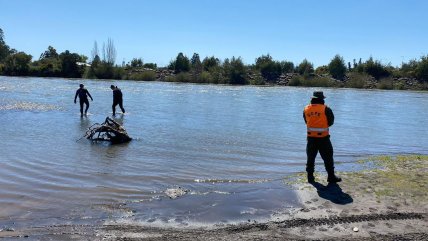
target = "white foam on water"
x: 29, y: 106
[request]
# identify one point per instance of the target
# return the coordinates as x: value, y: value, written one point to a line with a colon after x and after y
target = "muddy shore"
x: 386, y: 201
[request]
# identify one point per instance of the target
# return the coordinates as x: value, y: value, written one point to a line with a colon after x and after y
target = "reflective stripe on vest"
x: 316, y: 120
x: 317, y: 129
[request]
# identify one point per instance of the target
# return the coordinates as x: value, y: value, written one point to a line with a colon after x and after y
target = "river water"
x: 230, y: 147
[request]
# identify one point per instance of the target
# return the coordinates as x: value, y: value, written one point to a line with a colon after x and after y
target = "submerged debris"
x: 174, y: 193
x: 109, y: 130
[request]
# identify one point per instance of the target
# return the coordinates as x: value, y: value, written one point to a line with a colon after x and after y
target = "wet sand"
x: 387, y: 202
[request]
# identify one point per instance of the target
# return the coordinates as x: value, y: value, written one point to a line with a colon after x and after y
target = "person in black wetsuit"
x: 117, y: 99
x: 83, y: 98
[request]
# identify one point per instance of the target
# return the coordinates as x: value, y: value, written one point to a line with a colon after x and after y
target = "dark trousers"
x: 84, y: 101
x: 325, y: 148
x: 117, y: 102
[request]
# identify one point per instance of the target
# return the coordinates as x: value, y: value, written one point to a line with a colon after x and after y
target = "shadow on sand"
x: 333, y: 192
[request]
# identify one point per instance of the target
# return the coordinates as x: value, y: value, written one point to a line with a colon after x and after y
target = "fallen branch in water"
x: 109, y: 130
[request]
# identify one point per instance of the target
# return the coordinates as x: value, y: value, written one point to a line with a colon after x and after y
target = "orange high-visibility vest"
x: 316, y: 120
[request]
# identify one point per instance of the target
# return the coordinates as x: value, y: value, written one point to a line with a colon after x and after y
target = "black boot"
x: 311, y: 178
x: 333, y: 178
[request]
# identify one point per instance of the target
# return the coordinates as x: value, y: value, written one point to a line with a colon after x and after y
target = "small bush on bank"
x: 318, y: 81
x: 296, y: 80
x: 205, y: 77
x: 385, y: 84
x: 183, y: 77
x: 257, y: 81
x: 357, y: 80
x: 143, y: 76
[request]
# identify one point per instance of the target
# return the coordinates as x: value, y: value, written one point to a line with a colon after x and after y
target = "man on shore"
x: 83, y: 99
x: 318, y: 118
x: 117, y: 99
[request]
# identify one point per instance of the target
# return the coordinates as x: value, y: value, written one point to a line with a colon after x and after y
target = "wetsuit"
x: 117, y: 100
x: 83, y: 99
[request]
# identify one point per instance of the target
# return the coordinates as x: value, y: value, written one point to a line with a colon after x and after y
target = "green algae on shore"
x: 394, y: 177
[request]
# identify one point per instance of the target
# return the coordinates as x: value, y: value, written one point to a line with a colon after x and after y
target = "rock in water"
x: 174, y: 193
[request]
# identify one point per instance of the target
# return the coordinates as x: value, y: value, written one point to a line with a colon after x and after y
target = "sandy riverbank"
x: 388, y: 202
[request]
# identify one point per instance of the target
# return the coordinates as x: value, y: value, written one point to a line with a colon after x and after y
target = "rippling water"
x: 228, y: 147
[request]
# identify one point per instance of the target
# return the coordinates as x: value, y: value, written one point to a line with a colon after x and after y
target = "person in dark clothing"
x: 318, y: 118
x: 117, y: 99
x: 83, y: 98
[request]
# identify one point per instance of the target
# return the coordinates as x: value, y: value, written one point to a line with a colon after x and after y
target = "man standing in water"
x: 318, y: 118
x: 117, y: 99
x: 83, y: 99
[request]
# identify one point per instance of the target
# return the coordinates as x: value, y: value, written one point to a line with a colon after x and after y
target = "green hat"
x: 318, y: 95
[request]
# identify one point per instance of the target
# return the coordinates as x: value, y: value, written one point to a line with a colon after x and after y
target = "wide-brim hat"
x: 318, y: 95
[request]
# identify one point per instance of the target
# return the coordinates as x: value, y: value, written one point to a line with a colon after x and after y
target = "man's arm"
x: 89, y: 95
x: 330, y: 116
x: 75, y: 97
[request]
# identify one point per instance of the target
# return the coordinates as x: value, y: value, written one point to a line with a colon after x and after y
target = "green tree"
x: 48, y: 65
x: 422, y: 69
x: 182, y: 63
x: 337, y: 67
x: 4, y: 48
x: 49, y: 53
x: 305, y: 67
x: 269, y: 69
x: 210, y: 62
x: 136, y: 62
x: 376, y: 69
x: 69, y: 67
x: 17, y: 64
x: 409, y: 69
x: 196, y: 66
x: 236, y: 71
x: 321, y: 70
x: 150, y: 65
x: 287, y: 67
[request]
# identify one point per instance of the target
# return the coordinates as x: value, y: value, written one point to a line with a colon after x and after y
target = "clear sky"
x: 389, y: 30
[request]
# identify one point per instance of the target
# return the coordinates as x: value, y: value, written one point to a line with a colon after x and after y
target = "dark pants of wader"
x: 85, y: 101
x: 324, y: 147
x: 117, y: 102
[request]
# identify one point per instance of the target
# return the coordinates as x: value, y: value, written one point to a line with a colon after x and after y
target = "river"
x: 230, y: 147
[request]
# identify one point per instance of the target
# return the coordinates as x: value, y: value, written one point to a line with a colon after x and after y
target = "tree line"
x: 264, y: 70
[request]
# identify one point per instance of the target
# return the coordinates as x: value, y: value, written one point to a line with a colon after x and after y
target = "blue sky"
x: 389, y: 30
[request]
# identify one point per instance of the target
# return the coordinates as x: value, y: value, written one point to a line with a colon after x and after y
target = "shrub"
x: 321, y: 70
x: 205, y: 77
x: 258, y: 80
x: 318, y: 81
x: 144, y: 76
x: 218, y: 75
x: 385, y: 84
x: 357, y: 80
x: 296, y: 80
x: 183, y: 77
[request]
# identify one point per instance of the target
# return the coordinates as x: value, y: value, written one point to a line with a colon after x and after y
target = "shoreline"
x: 388, y: 202
x: 404, y: 84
